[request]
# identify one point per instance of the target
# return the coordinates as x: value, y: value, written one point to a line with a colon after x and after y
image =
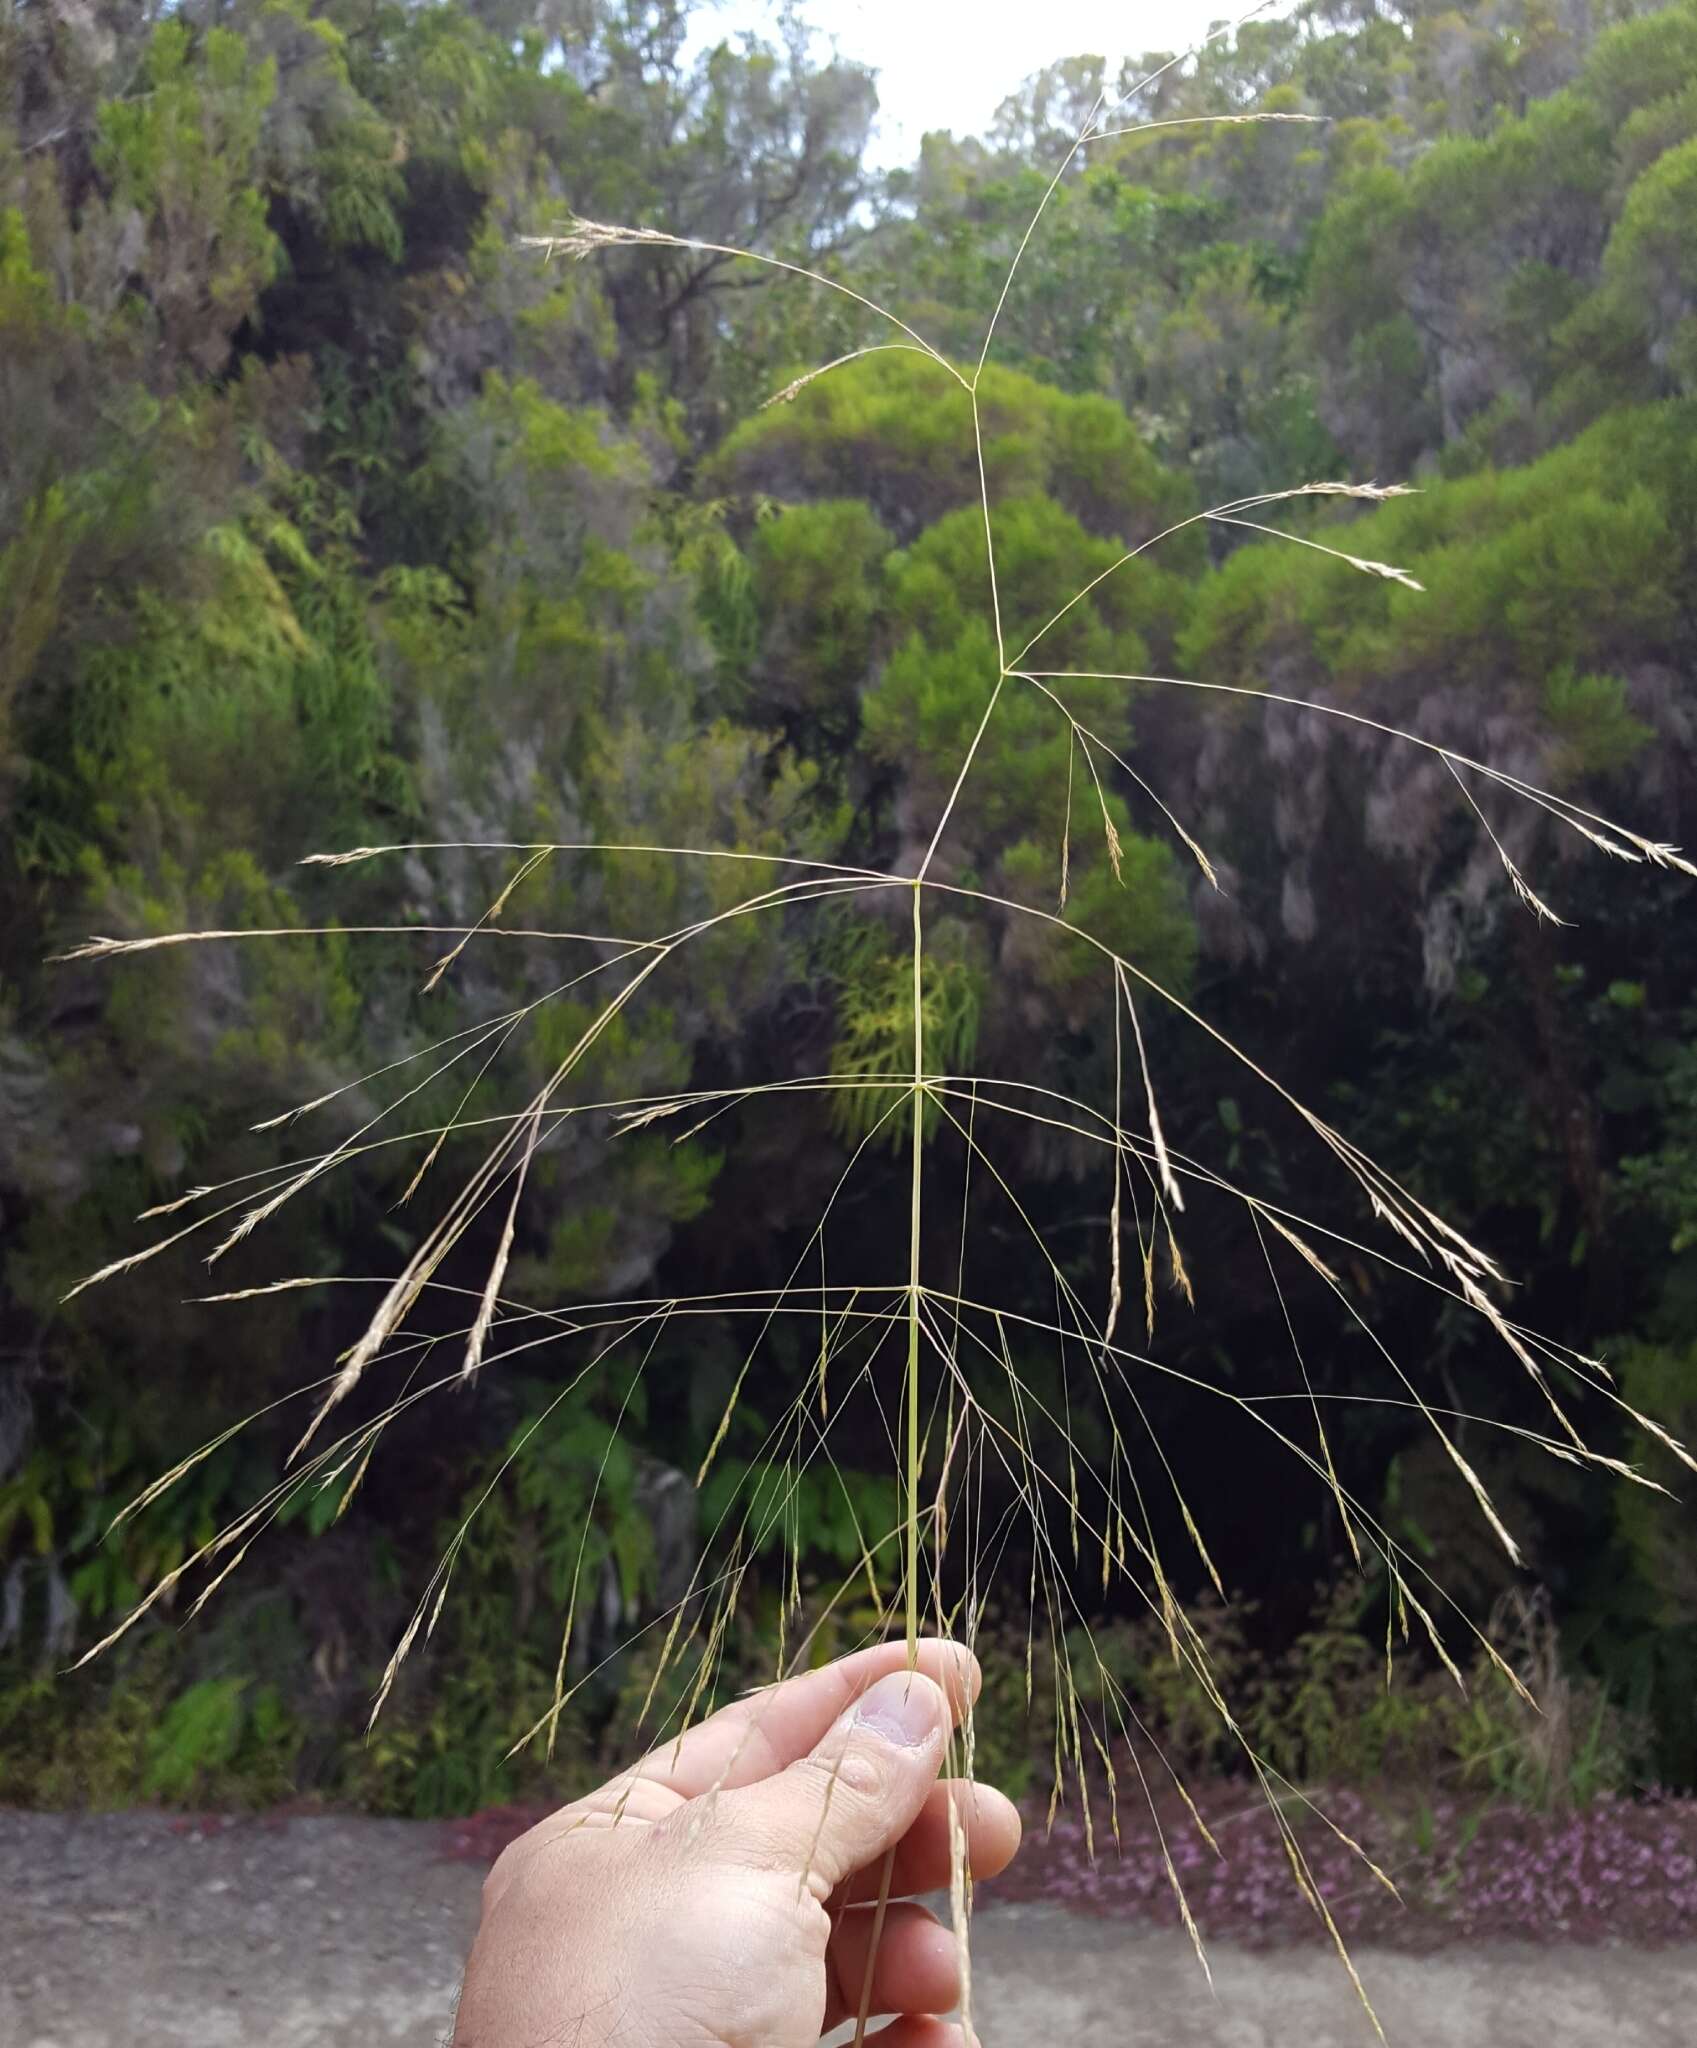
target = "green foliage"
x: 1321, y: 1712
x: 927, y: 703
x: 1651, y: 261
x: 1572, y: 560
x: 203, y: 1732
x: 31, y: 315
x: 814, y: 572
x: 182, y: 153
x: 897, y: 431
x: 1598, y: 734
x: 834, y: 1517
x: 1663, y: 1181
x: 332, y: 154
x: 1661, y: 1380
x: 330, y: 517
x: 873, y: 1047
x: 562, y: 1506
x: 1639, y: 62
x: 1128, y: 894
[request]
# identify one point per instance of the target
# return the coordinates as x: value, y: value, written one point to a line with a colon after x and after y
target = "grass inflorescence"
x: 940, y: 1364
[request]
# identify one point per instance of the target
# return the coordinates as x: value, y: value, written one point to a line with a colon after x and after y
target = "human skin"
x: 722, y: 1893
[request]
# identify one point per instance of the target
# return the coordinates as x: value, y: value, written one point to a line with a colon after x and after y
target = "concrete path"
x: 116, y: 1932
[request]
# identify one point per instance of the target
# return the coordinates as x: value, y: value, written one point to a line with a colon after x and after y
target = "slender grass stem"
x: 910, y: 1562
x: 913, y: 1421
x: 884, y: 1876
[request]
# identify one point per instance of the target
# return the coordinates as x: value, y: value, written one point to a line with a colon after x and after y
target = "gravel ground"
x: 139, y: 1931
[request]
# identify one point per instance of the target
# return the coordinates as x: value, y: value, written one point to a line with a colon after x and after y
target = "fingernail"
x: 901, y: 1709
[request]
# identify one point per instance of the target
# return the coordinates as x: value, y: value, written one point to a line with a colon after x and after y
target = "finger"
x: 916, y: 1967
x: 914, y: 2030
x: 854, y: 1795
x: 925, y: 1856
x: 625, y: 1802
x: 752, y: 1738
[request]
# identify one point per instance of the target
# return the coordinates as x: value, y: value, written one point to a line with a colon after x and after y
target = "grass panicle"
x: 940, y: 1367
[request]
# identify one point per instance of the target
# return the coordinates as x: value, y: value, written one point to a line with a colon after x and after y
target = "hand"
x: 722, y: 1893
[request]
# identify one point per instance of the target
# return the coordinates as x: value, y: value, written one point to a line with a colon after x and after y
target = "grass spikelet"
x: 1439, y: 1648
x: 1377, y: 493
x: 212, y: 1585
x: 1116, y: 852
x: 1662, y: 856
x: 1534, y: 902
x: 1199, y: 855
x: 1149, y: 1287
x: 1300, y: 1246
x: 1185, y: 1915
x: 1066, y: 819
x: 1487, y: 1507
x: 1522, y: 888
x: 294, y: 1282
x: 1311, y: 1892
x: 582, y: 238
x: 159, y: 1593
x: 391, y: 1670
x: 349, y: 857
x: 640, y: 1119
x: 115, y: 949
x: 1163, y: 1163
x: 1386, y: 570
x: 1116, y: 1206
x: 111, y: 1270
x: 1201, y: 1548
x: 182, y: 1201
x: 1202, y: 1828
x: 521, y: 874
x: 498, y: 1265
x: 1668, y: 1441
x: 1181, y: 1278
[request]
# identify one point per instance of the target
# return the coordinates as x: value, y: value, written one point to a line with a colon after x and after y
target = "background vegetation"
x: 330, y: 516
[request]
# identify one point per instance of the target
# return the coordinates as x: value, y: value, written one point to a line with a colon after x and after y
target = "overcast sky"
x: 950, y: 63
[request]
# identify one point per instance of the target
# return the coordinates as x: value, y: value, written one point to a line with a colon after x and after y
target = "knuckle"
x: 853, y: 1774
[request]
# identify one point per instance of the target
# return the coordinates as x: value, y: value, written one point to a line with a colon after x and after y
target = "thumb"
x: 857, y: 1792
